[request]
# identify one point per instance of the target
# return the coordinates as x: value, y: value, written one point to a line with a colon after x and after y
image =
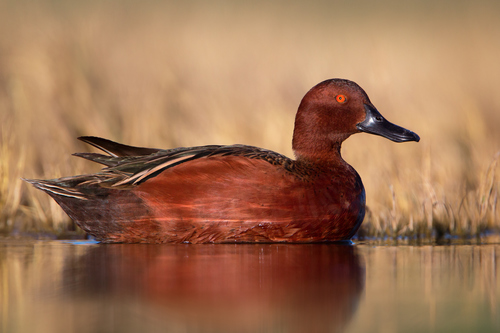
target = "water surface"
x: 73, y: 286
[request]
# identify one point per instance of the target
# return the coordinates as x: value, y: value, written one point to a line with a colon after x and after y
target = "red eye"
x: 341, y: 99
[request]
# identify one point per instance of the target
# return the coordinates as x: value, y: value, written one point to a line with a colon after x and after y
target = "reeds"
x: 167, y: 75
x: 475, y: 215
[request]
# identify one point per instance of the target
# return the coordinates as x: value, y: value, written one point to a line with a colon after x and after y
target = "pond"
x: 83, y: 286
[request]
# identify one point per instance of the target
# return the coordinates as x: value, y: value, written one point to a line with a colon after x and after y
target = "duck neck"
x: 316, y: 137
x: 326, y: 152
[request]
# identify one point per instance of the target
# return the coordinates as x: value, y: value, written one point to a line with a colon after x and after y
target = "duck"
x: 232, y: 193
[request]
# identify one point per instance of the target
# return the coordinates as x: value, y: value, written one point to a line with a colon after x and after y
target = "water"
x: 70, y: 286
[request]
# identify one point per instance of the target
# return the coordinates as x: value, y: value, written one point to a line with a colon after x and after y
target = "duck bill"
x: 375, y: 123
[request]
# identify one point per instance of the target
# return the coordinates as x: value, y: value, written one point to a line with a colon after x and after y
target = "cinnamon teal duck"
x: 236, y: 193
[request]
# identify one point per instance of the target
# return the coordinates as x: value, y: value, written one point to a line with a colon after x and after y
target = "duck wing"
x: 125, y: 171
x: 132, y: 171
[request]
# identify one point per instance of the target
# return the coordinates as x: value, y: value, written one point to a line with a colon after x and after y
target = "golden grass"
x: 166, y: 75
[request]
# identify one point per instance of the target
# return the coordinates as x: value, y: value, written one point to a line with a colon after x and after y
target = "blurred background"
x: 166, y: 74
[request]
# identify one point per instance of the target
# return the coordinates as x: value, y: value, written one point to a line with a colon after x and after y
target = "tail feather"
x: 107, y: 160
x: 56, y: 188
x: 88, y: 204
x: 117, y: 149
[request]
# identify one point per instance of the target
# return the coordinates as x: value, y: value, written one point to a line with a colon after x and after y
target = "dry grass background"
x: 167, y: 74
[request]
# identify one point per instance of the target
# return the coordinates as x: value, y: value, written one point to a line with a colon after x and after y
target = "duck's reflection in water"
x: 233, y: 288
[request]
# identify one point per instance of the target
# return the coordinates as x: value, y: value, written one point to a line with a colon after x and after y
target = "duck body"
x: 238, y: 193
x: 224, y: 194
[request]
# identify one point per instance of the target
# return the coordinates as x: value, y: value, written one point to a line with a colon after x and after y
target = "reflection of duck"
x: 226, y: 288
x: 233, y: 193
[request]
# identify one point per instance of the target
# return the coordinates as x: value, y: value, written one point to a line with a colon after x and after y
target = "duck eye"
x: 341, y: 99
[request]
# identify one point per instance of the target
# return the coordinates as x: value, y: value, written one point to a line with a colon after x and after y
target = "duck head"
x: 332, y: 111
